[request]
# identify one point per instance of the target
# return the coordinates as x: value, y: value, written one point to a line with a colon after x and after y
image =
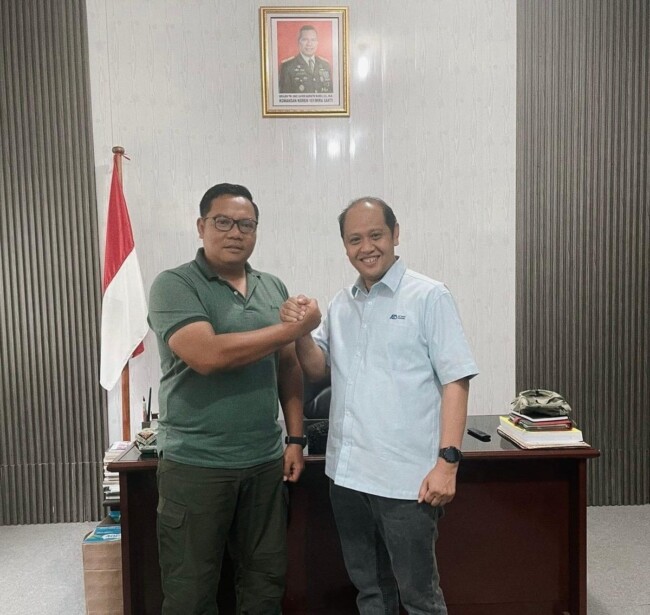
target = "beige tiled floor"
x: 40, y: 565
x: 618, y: 555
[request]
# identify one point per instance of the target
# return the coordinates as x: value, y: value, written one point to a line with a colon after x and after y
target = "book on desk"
x: 533, y: 422
x: 536, y: 438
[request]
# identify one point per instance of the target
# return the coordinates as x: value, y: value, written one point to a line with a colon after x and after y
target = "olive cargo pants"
x: 200, y: 510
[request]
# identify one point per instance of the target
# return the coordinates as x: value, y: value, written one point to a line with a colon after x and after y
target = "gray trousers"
x: 200, y: 510
x: 389, y: 551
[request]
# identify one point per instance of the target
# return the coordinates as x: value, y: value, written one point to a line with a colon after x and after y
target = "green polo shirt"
x: 227, y: 419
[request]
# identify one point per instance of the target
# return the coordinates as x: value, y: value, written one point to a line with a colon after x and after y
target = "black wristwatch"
x: 302, y: 440
x: 451, y: 454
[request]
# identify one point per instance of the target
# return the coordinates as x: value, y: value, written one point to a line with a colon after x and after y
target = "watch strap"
x: 301, y: 440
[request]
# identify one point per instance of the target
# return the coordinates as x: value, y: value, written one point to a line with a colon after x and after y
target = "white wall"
x: 431, y: 130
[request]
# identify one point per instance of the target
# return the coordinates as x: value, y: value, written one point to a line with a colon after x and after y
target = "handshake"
x: 301, y: 311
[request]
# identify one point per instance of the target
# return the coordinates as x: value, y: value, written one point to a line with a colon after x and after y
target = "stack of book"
x: 534, y: 430
x: 111, y: 484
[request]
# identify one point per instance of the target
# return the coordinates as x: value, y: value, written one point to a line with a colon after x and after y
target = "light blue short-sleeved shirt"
x: 390, y: 351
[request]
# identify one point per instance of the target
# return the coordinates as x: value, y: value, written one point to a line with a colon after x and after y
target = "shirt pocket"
x: 402, y: 345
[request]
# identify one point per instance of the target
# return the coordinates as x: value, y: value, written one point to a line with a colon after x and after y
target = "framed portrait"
x: 304, y: 61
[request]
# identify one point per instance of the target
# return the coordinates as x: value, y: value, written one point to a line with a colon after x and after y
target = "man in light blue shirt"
x: 400, y: 366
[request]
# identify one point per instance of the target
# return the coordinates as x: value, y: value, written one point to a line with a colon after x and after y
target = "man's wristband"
x: 301, y: 440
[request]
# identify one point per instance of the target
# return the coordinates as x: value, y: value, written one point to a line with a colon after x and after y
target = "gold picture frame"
x: 304, y: 61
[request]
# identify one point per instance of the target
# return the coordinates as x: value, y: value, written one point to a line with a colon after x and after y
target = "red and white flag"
x: 124, y: 307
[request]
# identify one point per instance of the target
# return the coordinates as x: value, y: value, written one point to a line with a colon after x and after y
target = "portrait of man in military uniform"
x: 306, y: 72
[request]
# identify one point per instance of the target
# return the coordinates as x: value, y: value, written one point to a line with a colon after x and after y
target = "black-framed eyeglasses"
x: 224, y: 223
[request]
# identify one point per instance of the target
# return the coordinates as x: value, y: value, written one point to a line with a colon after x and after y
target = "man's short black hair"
x: 229, y: 189
x: 304, y: 29
x: 389, y: 215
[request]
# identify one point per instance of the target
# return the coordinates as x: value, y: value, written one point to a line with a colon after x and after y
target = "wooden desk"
x: 513, y: 541
x: 138, y: 501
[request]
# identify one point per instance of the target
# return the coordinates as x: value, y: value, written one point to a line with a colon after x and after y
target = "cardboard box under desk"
x: 102, y: 563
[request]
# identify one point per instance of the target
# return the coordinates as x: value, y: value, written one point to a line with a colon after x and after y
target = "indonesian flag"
x: 124, y: 307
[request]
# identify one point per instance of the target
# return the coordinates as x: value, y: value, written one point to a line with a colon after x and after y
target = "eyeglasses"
x: 224, y: 223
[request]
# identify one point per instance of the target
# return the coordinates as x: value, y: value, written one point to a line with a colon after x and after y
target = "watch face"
x: 451, y: 454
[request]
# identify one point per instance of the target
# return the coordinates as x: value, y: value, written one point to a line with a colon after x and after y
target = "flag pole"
x: 126, y: 391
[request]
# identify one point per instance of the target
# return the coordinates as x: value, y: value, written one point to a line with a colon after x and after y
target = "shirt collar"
x: 209, y: 273
x: 391, y: 278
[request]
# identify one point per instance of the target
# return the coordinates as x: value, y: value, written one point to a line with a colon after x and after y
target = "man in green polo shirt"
x: 226, y: 359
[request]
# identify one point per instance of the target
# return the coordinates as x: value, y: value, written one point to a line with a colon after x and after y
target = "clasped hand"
x: 303, y: 310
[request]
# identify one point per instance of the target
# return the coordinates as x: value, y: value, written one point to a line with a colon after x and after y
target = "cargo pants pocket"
x: 172, y: 531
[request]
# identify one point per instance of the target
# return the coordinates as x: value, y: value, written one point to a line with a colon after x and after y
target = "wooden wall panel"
x: 583, y: 226
x: 53, y: 413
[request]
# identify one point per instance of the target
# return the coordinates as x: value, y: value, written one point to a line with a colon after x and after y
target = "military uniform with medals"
x: 297, y: 78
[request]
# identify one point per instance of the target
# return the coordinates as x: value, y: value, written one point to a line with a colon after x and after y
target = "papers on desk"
x: 569, y: 438
x: 115, y: 450
x: 111, y: 484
